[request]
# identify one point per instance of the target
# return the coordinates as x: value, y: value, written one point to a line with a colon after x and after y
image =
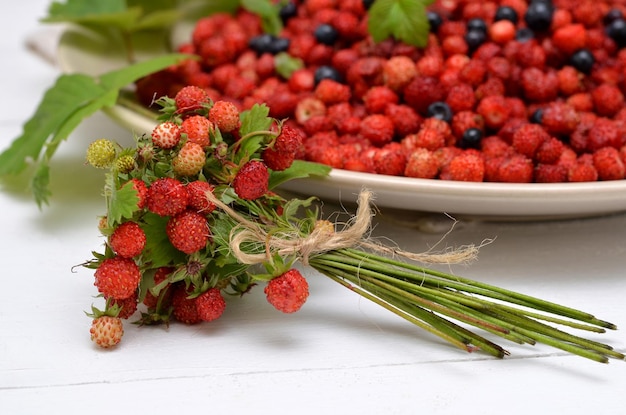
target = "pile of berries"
x: 167, y: 244
x: 503, y: 91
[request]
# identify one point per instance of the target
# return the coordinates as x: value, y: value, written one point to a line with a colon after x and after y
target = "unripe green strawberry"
x: 166, y: 135
x: 106, y: 331
x: 101, y: 153
x: 190, y: 160
x: 287, y: 292
x: 125, y: 164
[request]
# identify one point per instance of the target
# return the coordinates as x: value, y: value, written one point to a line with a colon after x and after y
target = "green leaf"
x: 405, y: 20
x: 158, y: 248
x: 268, y: 12
x: 63, y: 107
x: 300, y: 169
x: 255, y: 119
x: 122, y: 203
x: 82, y: 8
x: 286, y: 64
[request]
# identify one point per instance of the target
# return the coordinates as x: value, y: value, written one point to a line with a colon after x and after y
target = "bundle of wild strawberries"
x: 192, y: 217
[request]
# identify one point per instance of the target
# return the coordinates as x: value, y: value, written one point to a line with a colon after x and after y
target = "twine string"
x: 324, y: 238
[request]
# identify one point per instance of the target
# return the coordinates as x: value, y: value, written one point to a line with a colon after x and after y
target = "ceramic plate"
x: 85, y: 52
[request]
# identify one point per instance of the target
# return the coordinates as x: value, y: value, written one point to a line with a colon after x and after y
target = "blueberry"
x: 616, y: 30
x: 434, y: 20
x: 471, y: 138
x: 582, y: 60
x: 261, y: 43
x: 612, y: 15
x: 288, y: 11
x: 524, y: 34
x: 279, y: 44
x: 326, y: 34
x: 326, y: 72
x: 440, y: 110
x: 506, y: 13
x: 475, y: 38
x: 476, y: 24
x: 536, y: 117
x: 538, y: 15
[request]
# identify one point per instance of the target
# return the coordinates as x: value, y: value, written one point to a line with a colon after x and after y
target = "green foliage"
x: 64, y: 106
x: 405, y: 20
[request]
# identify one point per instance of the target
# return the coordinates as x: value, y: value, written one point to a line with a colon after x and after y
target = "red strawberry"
x: 225, y: 116
x: 287, y: 292
x: 106, y: 331
x: 198, y: 201
x: 184, y: 308
x: 190, y: 160
x: 167, y: 197
x: 191, y: 98
x: 210, y: 305
x: 127, y: 306
x: 128, y: 240
x: 166, y: 135
x: 198, y: 129
x: 188, y: 231
x: 117, y: 277
x: 251, y: 181
x: 142, y: 191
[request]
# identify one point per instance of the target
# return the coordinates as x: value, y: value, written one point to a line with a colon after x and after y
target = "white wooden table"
x: 339, y: 354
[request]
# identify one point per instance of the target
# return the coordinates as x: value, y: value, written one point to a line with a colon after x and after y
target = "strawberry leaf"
x: 405, y: 20
x: 122, y: 203
x: 268, y: 12
x: 64, y: 106
x: 158, y: 247
x: 255, y: 119
x: 300, y: 169
x: 286, y: 64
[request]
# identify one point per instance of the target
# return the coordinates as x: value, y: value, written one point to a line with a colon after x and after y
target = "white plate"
x: 77, y: 52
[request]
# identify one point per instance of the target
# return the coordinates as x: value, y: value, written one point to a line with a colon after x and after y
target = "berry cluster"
x: 166, y: 241
x: 504, y: 90
x: 191, y: 220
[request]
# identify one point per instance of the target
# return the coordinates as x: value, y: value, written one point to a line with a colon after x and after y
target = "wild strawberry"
x: 198, y: 129
x: 607, y: 99
x: 184, y: 308
x: 188, y: 231
x: 101, y: 153
x: 461, y: 97
x: 390, y: 160
x: 494, y: 146
x: 528, y: 138
x: 124, y: 163
x: 421, y: 92
x: 309, y: 107
x: 421, y: 163
x: 570, y: 80
x: 550, y: 173
x: 210, y: 305
x: 609, y: 164
x: 494, y: 111
x: 378, y: 97
x: 467, y: 167
x: 167, y: 197
x: 166, y: 135
x: 251, y: 181
x: 277, y: 160
x: 559, y: 118
x: 190, y: 160
x: 603, y: 132
x: 570, y: 38
x: 428, y: 138
x: 287, y: 292
x: 515, y: 169
x: 128, y: 240
x: 225, y: 116
x: 197, y: 191
x: 502, y: 31
x: 550, y: 151
x: 106, y: 331
x: 332, y: 92
x: 398, y: 71
x: 117, y: 277
x: 463, y: 121
x: 190, y: 98
x: 582, y: 172
x: 378, y: 129
x: 405, y: 120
